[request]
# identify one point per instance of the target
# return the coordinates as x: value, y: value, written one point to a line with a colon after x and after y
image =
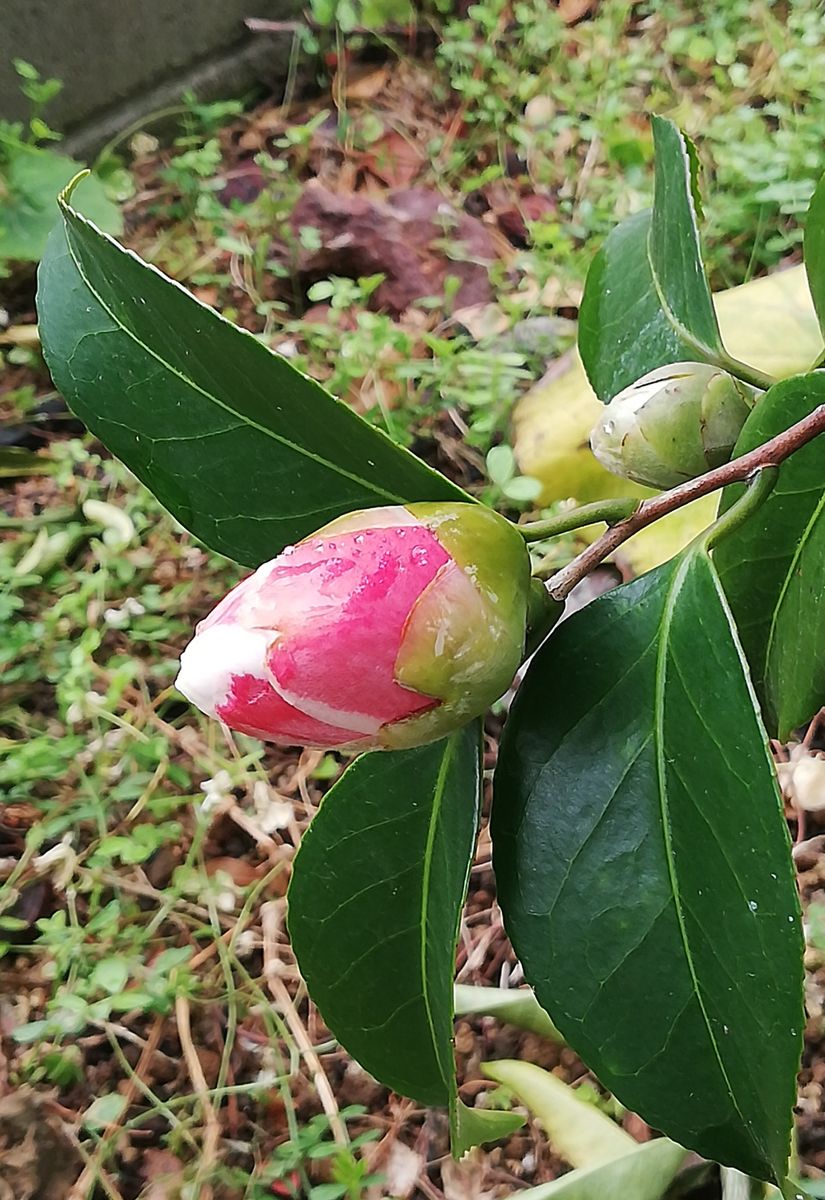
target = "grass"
x: 143, y: 854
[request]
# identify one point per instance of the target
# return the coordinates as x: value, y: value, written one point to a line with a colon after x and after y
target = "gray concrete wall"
x: 122, y: 59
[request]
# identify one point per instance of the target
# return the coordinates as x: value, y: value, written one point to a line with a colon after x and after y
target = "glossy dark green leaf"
x: 30, y: 180
x: 643, y: 867
x: 623, y: 331
x: 773, y: 567
x: 815, y: 250
x: 246, y: 452
x: 647, y: 302
x: 374, y: 905
x: 673, y: 242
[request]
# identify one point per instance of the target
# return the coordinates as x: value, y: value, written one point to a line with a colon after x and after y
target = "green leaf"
x: 327, y: 1191
x: 607, y: 1159
x: 773, y: 567
x: 814, y: 248
x: 473, y: 1126
x: 32, y: 179
x: 643, y: 868
x: 578, y: 1132
x: 105, y: 1110
x: 246, y: 452
x: 514, y: 1006
x: 646, y: 301
x: 645, y: 1174
x: 110, y: 975
x: 623, y: 331
x: 673, y: 242
x: 374, y: 906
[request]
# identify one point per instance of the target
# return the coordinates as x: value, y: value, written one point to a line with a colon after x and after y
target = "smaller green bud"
x: 673, y: 424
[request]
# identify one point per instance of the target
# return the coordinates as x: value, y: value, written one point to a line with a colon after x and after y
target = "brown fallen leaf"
x: 399, y: 1166
x: 572, y: 11
x: 38, y: 1159
x: 241, y: 872
x: 345, y: 319
x: 463, y: 1180
x: 394, y: 159
x: 415, y: 238
x: 515, y: 219
x: 162, y: 1172
x: 364, y: 83
x: 482, y: 320
x: 243, y: 183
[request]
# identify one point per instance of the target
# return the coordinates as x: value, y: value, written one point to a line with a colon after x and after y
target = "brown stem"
x: 770, y: 454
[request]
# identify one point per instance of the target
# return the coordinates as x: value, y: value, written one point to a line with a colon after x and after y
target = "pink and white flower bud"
x: 389, y: 627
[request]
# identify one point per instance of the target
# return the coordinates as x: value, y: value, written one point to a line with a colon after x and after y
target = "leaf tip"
x: 64, y: 197
x: 470, y: 1127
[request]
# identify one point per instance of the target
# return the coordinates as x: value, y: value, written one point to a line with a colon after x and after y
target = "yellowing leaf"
x: 661, y: 540
x: 552, y: 438
x: 645, y: 1174
x: 770, y: 323
x: 577, y: 1130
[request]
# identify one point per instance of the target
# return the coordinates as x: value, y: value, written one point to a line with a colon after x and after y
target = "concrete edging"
x: 120, y: 62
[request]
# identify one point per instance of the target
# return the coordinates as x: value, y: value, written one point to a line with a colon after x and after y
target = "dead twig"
x: 93, y: 1167
x: 212, y: 1130
x: 270, y: 924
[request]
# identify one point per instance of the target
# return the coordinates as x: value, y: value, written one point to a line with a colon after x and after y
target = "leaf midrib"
x: 435, y: 812
x: 246, y: 420
x: 661, y: 771
x: 690, y: 339
x: 692, y: 342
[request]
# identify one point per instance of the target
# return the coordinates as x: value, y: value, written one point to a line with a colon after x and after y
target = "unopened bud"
x: 673, y: 424
x: 390, y: 627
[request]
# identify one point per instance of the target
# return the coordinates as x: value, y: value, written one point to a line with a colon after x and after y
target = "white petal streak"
x: 361, y: 723
x: 214, y: 657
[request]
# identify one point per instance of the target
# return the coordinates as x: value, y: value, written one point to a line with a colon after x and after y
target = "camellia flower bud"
x: 673, y: 424
x: 389, y: 627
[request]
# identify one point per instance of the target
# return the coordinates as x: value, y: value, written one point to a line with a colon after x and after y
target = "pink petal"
x: 339, y: 607
x: 227, y: 611
x: 255, y: 708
